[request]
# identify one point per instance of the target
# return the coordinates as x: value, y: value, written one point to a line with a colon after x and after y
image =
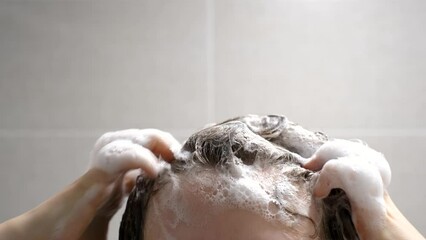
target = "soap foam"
x: 340, y: 148
x: 363, y: 173
x: 194, y: 197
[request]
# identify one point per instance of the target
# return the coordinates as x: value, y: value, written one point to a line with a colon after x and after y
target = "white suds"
x: 363, y: 173
x: 266, y: 192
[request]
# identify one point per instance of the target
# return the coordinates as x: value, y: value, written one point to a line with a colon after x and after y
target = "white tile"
x: 328, y: 64
x: 34, y: 169
x: 102, y: 64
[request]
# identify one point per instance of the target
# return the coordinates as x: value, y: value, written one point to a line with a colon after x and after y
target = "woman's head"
x: 238, y: 179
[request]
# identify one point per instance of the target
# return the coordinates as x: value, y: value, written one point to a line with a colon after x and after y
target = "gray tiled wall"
x: 70, y: 70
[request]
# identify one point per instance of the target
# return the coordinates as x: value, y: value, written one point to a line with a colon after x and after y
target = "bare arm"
x: 397, y: 226
x: 83, y: 210
x: 65, y: 215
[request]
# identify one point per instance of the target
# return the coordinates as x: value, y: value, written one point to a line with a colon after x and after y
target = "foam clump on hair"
x: 253, y: 191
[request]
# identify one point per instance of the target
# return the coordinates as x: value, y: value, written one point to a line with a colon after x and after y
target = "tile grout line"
x: 185, y: 132
x: 375, y: 132
x: 210, y: 68
x: 74, y: 133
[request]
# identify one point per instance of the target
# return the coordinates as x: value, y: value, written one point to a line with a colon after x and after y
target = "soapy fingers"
x: 118, y: 152
x: 362, y: 173
x: 338, y: 149
x: 362, y: 184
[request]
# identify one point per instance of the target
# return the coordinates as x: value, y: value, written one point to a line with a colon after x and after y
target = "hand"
x: 116, y: 160
x: 362, y: 173
x: 83, y: 209
x: 116, y: 153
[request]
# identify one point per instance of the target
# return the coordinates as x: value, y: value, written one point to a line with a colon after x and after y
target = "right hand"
x: 364, y: 175
x: 123, y: 154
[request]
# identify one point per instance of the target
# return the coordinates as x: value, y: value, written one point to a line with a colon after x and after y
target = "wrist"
x: 96, y: 186
x: 95, y: 176
x: 396, y: 225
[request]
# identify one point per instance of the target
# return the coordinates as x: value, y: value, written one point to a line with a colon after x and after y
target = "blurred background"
x: 72, y: 70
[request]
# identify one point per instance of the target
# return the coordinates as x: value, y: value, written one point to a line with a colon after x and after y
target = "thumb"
x: 315, y: 163
x: 129, y: 180
x: 328, y: 179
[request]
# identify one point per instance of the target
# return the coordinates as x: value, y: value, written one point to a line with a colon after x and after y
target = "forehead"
x: 273, y: 197
x: 267, y: 190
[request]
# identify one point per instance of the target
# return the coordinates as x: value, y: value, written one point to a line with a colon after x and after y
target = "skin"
x: 231, y: 224
x: 84, y: 209
x: 199, y: 218
x: 364, y: 175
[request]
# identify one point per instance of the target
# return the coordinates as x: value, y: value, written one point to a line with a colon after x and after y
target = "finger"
x: 161, y: 143
x: 164, y: 144
x: 329, y: 150
x: 122, y: 155
x: 363, y: 186
x: 356, y: 177
x: 334, y: 149
x: 315, y: 163
x: 328, y: 179
x: 129, y: 180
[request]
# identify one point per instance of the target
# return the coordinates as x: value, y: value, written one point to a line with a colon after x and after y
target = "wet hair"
x: 268, y: 139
